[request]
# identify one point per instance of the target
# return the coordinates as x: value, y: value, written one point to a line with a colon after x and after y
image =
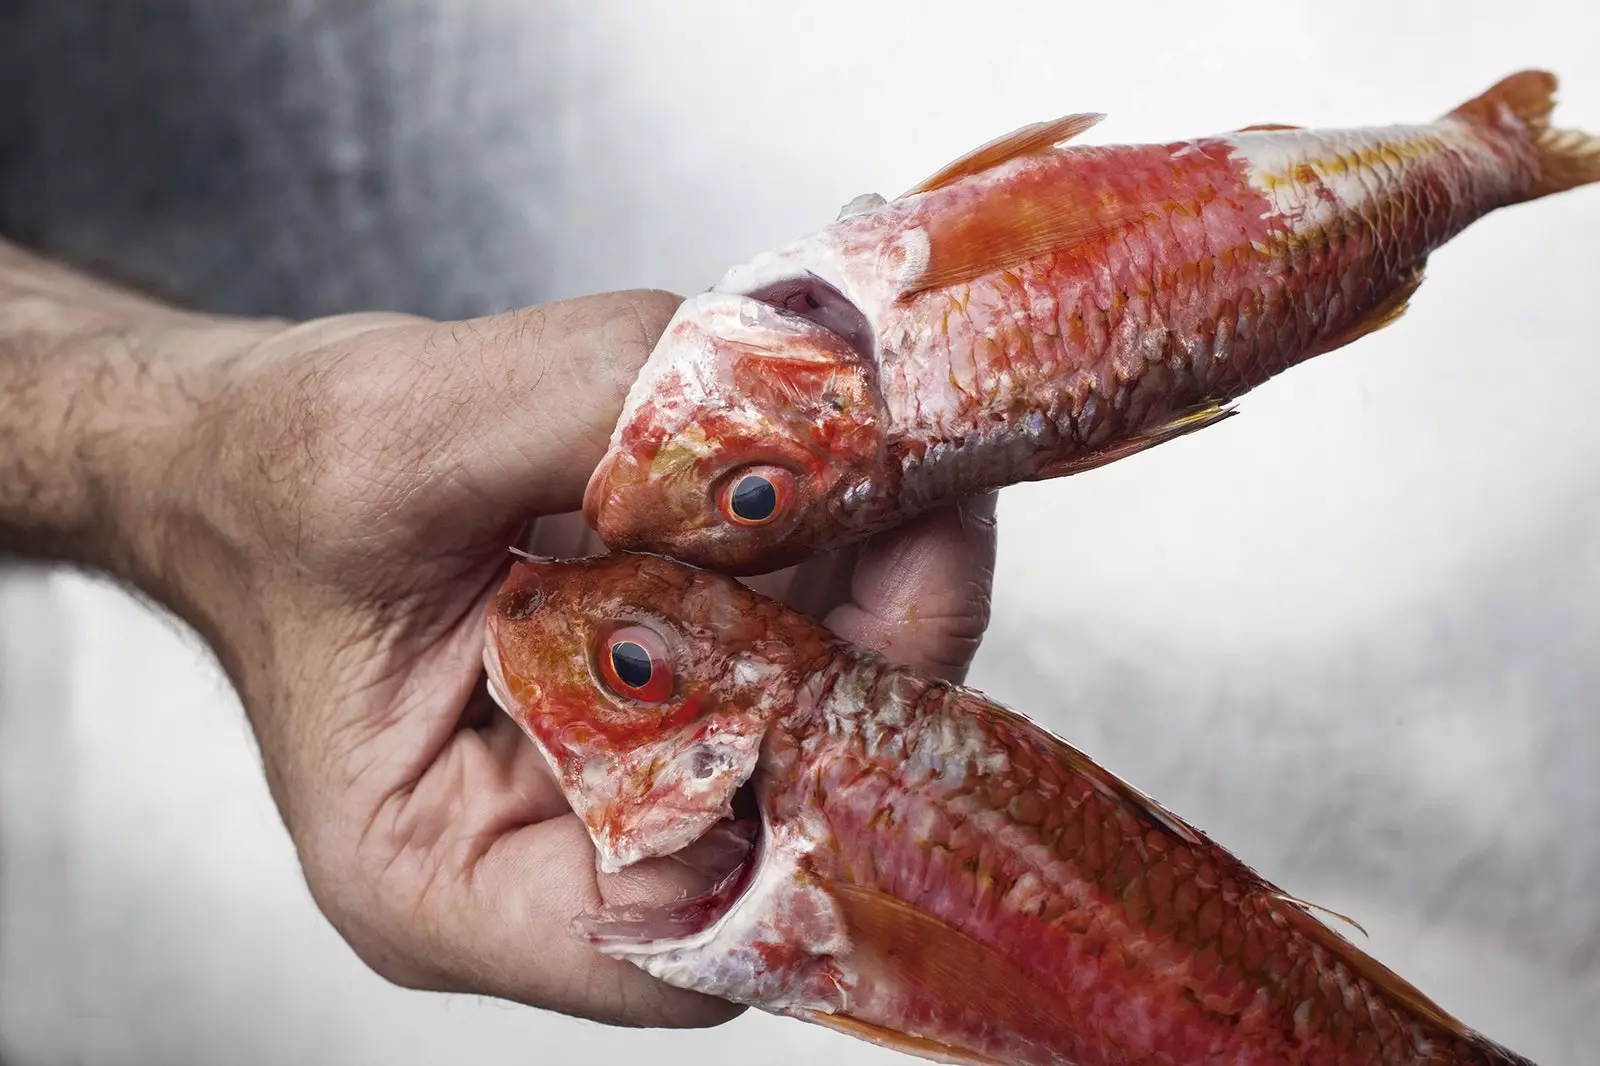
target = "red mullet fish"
x: 905, y: 860
x: 1034, y: 310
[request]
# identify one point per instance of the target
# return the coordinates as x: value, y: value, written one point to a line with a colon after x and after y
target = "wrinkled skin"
x: 905, y: 860
x: 329, y: 504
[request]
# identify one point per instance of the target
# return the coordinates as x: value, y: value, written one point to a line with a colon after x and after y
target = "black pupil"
x: 632, y: 663
x: 754, y: 498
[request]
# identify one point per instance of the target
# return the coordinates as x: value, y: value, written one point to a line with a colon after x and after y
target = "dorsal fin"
x: 1307, y: 904
x: 1028, y: 140
x: 1295, y: 912
x: 1267, y: 126
x: 1376, y: 973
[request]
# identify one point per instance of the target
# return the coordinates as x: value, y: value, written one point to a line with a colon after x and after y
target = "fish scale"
x: 934, y: 872
x: 1186, y: 909
x: 1038, y: 309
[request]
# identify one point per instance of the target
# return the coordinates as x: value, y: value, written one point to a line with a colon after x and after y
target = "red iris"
x: 756, y: 495
x: 634, y: 663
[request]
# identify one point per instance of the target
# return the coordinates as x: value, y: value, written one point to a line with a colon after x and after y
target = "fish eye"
x: 756, y: 495
x: 634, y: 664
x: 753, y: 499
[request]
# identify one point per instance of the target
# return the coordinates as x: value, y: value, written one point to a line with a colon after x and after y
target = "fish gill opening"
x: 809, y: 297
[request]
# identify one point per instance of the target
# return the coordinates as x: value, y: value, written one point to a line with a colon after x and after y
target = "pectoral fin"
x: 1012, y: 222
x: 930, y: 963
x: 1010, y: 227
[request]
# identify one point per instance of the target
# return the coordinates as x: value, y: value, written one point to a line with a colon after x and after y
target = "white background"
x: 1351, y: 633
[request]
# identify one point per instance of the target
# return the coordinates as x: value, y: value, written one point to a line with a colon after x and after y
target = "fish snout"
x: 597, y: 492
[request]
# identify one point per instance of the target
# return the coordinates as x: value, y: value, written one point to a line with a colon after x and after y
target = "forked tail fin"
x: 1521, y: 104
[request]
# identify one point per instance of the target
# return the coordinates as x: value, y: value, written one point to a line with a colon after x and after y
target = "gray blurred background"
x: 1352, y: 633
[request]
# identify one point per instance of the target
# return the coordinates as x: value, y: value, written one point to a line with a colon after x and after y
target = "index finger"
x: 920, y: 592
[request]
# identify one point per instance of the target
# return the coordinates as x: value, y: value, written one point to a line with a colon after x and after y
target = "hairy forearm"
x: 101, y: 391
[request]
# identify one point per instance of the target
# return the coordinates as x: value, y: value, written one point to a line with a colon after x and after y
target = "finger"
x: 546, y: 385
x: 563, y: 536
x: 481, y: 873
x: 813, y: 587
x: 651, y: 883
x: 517, y: 928
x: 920, y: 593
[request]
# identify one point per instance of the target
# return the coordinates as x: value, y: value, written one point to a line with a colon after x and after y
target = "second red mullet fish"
x: 909, y: 862
x: 1035, y: 310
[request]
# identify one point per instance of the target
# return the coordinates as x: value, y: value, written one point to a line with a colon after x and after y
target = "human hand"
x: 342, y: 506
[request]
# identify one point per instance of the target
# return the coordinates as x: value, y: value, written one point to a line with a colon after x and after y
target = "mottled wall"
x: 1351, y: 633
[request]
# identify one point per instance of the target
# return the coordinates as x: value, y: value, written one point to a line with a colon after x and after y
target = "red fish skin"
x: 930, y: 347
x: 1222, y: 286
x: 1155, y: 946
x: 934, y: 872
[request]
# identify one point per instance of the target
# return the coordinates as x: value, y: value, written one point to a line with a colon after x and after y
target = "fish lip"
x: 493, y: 673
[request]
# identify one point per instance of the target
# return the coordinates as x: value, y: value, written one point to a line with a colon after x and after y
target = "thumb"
x: 548, y: 383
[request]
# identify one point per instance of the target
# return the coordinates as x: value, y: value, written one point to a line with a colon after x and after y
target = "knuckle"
x: 652, y: 310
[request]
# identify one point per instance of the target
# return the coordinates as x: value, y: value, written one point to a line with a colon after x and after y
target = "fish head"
x: 752, y: 438
x: 647, y: 686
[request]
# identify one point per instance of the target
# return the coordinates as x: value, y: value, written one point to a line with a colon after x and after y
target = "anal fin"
x: 1179, y: 425
x: 1385, y: 312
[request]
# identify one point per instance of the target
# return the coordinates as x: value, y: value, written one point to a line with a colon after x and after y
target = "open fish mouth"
x: 727, y: 855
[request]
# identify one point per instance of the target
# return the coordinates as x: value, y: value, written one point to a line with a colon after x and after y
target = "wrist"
x: 160, y: 515
x: 102, y: 397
